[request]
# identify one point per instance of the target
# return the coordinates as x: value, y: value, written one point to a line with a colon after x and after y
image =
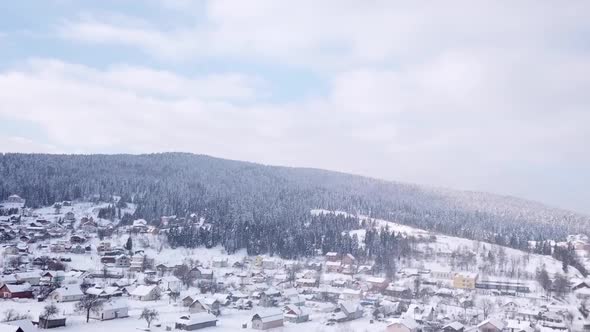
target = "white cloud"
x: 337, y: 33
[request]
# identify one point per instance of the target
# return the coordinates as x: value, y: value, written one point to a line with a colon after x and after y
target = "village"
x: 65, y: 268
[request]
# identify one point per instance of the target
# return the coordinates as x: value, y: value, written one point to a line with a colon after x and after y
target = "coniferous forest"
x: 267, y: 208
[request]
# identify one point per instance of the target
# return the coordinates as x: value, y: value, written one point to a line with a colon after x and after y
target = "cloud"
x: 339, y: 33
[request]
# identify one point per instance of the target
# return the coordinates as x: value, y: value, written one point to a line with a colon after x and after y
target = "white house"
x: 145, y: 293
x: 111, y: 310
x: 67, y: 294
x: 170, y: 283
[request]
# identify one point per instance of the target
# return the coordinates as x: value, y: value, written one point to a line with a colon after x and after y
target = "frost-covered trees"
x: 149, y: 315
x: 243, y: 201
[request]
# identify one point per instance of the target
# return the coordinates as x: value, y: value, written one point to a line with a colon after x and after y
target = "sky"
x: 476, y: 95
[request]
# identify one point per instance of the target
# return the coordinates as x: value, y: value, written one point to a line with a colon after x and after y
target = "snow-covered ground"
x: 232, y: 319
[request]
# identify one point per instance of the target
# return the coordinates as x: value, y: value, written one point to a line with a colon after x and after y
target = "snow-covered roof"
x: 297, y: 310
x: 269, y: 315
x: 69, y: 291
x: 454, y: 325
x: 139, y: 222
x: 115, y: 305
x: 199, y: 318
x: 407, y: 322
x: 27, y: 275
x: 376, y: 280
x: 18, y: 288
x: 8, y: 328
x: 349, y: 306
x: 143, y: 290
x: 494, y: 321
x: 25, y: 324
x: 7, y: 279
x: 518, y: 325
x: 170, y: 279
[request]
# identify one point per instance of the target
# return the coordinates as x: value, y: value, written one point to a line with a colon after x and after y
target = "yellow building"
x: 465, y: 280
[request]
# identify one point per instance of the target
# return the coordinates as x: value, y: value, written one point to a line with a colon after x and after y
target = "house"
x: 22, y: 291
x: 491, y: 325
x: 140, y: 262
x: 454, y: 327
x: 332, y: 257
x: 465, y: 280
x: 202, y: 273
x: 15, y: 199
x: 296, y: 314
x: 348, y: 264
x: 70, y: 216
x: 170, y: 283
x: 333, y: 267
x: 377, y: 284
x: 140, y: 225
x: 218, y: 262
x: 268, y: 319
x: 145, y: 293
x: 54, y: 277
x: 351, y: 294
x: 403, y: 325
x: 77, y: 249
x: 77, y: 239
x: 50, y: 323
x: 195, y: 322
x: 208, y: 304
x: 32, y: 277
x: 188, y: 300
x: 348, y: 259
x: 306, y: 282
x: 582, y: 293
x: 67, y: 294
x: 111, y: 310
x: 122, y: 261
x: 348, y: 310
x: 399, y: 292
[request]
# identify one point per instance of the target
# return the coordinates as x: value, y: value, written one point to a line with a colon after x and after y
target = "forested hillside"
x: 244, y: 196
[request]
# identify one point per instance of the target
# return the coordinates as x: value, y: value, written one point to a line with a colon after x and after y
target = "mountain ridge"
x: 179, y: 182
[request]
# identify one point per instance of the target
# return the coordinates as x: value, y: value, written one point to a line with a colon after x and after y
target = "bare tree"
x: 561, y: 284
x: 49, y: 311
x: 149, y: 315
x: 486, y: 306
x: 173, y: 295
x: 183, y: 272
x: 89, y: 303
